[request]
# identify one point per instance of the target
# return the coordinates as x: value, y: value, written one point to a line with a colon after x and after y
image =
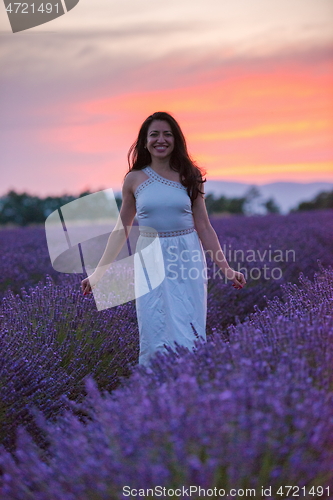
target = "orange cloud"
x: 263, y: 123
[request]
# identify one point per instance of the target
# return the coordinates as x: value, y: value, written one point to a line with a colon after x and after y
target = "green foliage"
x: 323, y: 200
x: 251, y: 203
x: 271, y: 207
x: 22, y: 208
x: 224, y: 204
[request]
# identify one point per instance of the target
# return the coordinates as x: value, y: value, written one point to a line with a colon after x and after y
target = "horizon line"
x: 117, y: 190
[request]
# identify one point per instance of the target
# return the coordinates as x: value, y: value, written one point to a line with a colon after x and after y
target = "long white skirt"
x: 176, y: 309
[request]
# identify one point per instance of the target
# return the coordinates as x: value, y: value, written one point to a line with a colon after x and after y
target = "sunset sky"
x: 250, y: 82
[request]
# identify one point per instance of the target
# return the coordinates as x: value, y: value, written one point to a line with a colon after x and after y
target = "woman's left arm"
x: 211, y: 243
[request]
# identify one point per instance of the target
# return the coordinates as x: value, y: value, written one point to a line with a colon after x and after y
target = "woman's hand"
x: 237, y: 278
x: 87, y: 285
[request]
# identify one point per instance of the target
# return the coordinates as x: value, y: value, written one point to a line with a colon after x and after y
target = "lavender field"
x: 250, y: 409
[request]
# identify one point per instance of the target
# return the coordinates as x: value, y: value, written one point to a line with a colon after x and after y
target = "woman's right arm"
x: 118, y: 236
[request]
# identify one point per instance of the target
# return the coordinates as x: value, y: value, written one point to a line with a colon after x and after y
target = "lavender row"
x: 51, y: 338
x: 252, y: 412
x: 271, y: 251
x: 24, y: 259
x: 255, y: 245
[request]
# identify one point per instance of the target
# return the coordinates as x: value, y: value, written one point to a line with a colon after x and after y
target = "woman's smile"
x: 160, y: 139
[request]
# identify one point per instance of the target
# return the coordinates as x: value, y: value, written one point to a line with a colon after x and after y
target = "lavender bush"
x: 308, y: 234
x: 24, y: 259
x: 268, y: 378
x: 50, y: 339
x: 51, y: 336
x: 252, y: 412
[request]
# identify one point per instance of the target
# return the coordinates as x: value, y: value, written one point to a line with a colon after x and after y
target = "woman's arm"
x: 117, y: 238
x: 210, y: 241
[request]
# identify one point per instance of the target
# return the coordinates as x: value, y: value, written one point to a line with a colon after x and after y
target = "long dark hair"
x: 139, y: 157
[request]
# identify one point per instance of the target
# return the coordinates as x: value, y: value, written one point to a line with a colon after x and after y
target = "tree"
x: 224, y: 204
x: 271, y: 206
x: 253, y: 202
x: 23, y: 209
x: 323, y: 200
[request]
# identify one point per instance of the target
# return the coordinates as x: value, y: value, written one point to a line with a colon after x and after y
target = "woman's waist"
x: 151, y: 232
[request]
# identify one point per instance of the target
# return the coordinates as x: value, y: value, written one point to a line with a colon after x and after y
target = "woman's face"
x: 160, y: 139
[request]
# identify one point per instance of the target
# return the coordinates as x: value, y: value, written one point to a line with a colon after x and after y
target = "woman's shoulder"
x: 135, y: 175
x: 133, y: 179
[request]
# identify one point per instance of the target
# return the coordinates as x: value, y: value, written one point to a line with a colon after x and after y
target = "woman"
x: 165, y: 189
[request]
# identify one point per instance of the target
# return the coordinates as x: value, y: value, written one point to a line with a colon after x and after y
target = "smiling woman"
x: 165, y: 189
x: 160, y: 140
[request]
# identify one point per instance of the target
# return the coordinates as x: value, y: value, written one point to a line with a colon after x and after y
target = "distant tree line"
x: 249, y: 204
x: 23, y: 209
x: 321, y: 201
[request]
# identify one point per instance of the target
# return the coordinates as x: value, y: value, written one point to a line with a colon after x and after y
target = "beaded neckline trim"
x: 142, y: 186
x: 154, y: 175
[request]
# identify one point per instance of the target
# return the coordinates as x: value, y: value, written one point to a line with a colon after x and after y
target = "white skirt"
x: 176, y: 309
